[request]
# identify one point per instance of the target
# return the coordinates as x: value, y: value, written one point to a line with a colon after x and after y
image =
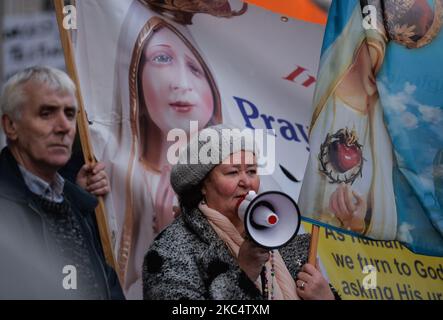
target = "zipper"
x: 84, y: 225
x: 31, y: 205
x: 96, y: 256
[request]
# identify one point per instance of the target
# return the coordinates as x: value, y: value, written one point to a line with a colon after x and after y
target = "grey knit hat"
x: 207, y: 150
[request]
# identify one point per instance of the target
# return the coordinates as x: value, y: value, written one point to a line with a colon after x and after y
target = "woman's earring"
x: 203, y: 199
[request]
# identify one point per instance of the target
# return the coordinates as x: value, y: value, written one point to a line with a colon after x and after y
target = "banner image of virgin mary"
x: 374, y: 167
x: 163, y: 84
x: 345, y: 183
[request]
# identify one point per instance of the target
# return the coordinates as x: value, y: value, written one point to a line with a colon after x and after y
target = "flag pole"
x: 83, y: 130
x: 312, y: 259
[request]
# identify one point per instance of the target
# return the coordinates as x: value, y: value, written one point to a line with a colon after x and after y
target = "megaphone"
x: 271, y: 218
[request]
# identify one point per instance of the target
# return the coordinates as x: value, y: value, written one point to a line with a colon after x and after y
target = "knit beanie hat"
x: 205, y: 151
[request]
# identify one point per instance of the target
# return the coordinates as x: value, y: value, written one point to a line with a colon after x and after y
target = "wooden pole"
x: 2, y: 14
x: 312, y: 259
x: 83, y: 130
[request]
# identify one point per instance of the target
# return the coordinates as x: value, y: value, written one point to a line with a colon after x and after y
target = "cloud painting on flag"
x: 377, y: 130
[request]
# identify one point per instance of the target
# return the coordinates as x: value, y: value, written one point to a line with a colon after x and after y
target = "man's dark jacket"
x: 29, y: 265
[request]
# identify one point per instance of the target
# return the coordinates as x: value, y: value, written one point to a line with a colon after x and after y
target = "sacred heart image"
x: 341, y: 157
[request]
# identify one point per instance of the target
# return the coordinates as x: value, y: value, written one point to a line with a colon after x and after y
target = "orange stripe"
x: 299, y: 9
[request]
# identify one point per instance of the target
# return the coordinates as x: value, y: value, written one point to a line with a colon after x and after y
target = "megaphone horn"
x: 263, y: 215
x: 271, y: 218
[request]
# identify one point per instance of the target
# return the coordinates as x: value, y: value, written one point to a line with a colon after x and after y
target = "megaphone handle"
x: 312, y: 259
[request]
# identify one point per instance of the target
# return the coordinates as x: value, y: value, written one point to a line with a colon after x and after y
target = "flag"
x: 309, y: 10
x: 376, y: 135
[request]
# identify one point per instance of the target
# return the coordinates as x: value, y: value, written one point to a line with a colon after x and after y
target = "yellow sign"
x: 362, y: 269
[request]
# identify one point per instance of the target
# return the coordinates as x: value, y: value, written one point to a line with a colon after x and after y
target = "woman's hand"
x: 349, y: 211
x: 252, y: 258
x: 311, y: 285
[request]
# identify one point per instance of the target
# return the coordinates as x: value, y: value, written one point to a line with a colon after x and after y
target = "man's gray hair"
x: 13, y: 96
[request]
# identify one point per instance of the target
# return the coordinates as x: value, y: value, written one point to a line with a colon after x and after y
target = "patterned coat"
x: 189, y: 261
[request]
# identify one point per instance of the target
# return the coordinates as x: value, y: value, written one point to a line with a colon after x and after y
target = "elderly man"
x: 49, y: 244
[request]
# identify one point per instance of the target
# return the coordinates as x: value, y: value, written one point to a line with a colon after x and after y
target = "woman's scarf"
x: 284, y: 287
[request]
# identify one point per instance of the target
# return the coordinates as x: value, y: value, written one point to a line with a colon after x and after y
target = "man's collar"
x: 50, y: 191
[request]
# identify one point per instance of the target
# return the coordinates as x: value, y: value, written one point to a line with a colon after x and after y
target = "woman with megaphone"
x: 203, y: 254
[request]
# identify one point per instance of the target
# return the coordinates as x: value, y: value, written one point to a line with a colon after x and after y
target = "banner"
x: 249, y: 68
x: 363, y: 269
x: 376, y: 136
x: 28, y: 40
x: 315, y: 11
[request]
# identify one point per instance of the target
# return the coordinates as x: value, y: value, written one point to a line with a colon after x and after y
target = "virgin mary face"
x: 175, y: 87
